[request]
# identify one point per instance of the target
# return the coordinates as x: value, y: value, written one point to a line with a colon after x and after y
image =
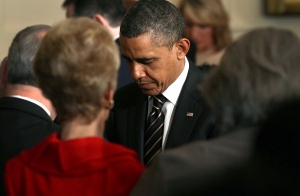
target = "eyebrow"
x: 143, y: 59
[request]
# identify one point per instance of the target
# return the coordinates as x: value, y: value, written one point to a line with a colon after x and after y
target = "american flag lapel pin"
x: 189, y: 114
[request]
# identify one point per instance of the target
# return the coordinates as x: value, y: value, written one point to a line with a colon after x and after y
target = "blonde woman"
x: 207, y: 27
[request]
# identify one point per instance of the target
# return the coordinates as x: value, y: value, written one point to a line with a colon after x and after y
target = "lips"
x: 146, y: 85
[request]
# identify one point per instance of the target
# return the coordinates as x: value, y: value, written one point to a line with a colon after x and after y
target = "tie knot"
x: 159, y: 100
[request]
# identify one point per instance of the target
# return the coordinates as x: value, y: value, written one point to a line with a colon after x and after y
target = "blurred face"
x: 200, y: 34
x: 154, y: 68
x: 70, y: 10
x: 3, y: 76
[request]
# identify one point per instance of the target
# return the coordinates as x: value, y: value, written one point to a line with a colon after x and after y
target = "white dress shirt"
x: 172, y: 94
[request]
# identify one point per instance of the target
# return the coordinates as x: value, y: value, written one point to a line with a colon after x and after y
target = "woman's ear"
x: 183, y: 46
x: 108, y: 100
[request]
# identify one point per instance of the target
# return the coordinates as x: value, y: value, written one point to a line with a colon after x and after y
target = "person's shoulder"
x: 130, y: 93
x: 206, y: 67
x: 129, y: 89
x: 4, y: 100
x: 201, y: 69
x: 195, y: 76
x: 22, y: 105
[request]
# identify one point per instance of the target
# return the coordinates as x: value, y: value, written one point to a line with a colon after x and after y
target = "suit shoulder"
x: 128, y: 94
x: 203, y: 69
x: 129, y: 88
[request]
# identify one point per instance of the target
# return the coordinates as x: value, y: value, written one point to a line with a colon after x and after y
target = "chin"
x: 150, y: 92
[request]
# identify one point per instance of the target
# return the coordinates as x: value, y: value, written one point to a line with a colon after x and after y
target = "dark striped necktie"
x: 155, y: 128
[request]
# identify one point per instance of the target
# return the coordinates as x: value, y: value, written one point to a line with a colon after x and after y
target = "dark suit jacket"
x: 126, y: 124
x: 191, y: 55
x: 124, y: 77
x: 189, y: 169
x: 22, y: 125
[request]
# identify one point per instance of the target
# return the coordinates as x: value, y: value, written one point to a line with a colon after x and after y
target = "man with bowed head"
x: 166, y: 84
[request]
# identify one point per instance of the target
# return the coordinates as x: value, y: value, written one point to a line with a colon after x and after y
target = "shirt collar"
x: 33, y: 101
x: 173, y: 91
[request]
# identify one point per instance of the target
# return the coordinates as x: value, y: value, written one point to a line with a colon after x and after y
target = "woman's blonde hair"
x: 76, y: 65
x: 210, y: 12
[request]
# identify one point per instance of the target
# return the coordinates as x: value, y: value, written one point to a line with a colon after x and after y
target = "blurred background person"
x: 207, y: 27
x: 2, y: 77
x: 276, y: 157
x: 257, y: 71
x: 108, y: 13
x: 26, y: 115
x: 274, y: 167
x: 76, y: 67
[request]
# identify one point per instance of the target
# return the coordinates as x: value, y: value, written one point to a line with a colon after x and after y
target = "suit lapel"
x: 187, y: 111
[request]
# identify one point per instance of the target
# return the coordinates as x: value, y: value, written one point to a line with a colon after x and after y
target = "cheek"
x: 206, y: 40
x: 208, y: 34
x: 168, y: 74
x: 158, y: 75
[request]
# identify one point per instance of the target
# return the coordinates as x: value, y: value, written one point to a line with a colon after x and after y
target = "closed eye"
x: 145, y: 61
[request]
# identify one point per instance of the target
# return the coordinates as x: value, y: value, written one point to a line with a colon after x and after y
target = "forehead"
x: 140, y: 45
x: 139, y: 41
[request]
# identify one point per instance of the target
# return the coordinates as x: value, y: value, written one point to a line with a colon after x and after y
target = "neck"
x: 115, y: 31
x: 32, y: 93
x: 77, y: 129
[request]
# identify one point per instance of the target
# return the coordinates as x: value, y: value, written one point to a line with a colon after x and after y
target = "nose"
x: 137, y: 71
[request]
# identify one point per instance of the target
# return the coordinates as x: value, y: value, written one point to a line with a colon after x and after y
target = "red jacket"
x: 86, y: 166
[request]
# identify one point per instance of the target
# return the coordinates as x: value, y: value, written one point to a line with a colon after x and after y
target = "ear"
x: 100, y: 19
x: 183, y: 46
x: 107, y: 99
x: 109, y: 95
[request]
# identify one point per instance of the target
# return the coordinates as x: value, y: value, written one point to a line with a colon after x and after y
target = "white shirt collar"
x: 33, y: 101
x: 173, y: 91
x: 116, y: 37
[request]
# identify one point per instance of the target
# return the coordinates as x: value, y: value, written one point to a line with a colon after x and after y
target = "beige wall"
x: 246, y: 15
x: 17, y: 14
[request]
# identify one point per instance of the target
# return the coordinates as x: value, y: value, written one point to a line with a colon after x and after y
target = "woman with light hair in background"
x: 76, y: 68
x: 207, y: 27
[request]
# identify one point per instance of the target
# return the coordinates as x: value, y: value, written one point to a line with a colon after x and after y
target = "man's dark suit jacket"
x: 126, y: 124
x: 124, y: 77
x: 22, y: 125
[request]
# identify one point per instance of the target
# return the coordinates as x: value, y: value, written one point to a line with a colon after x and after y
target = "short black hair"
x: 160, y: 18
x: 112, y: 10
